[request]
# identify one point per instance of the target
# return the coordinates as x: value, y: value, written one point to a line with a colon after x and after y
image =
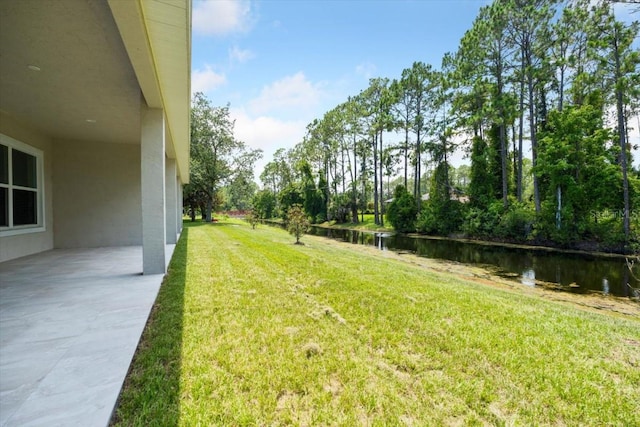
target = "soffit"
x: 169, y: 28
x: 85, y: 73
x: 157, y: 37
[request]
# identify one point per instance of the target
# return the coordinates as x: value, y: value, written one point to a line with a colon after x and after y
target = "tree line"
x: 221, y: 166
x: 539, y: 94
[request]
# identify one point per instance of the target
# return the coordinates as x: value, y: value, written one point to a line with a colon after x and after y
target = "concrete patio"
x: 70, y: 322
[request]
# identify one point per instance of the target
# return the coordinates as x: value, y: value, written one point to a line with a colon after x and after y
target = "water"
x: 572, y: 273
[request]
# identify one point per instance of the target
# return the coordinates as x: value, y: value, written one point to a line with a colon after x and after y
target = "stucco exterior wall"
x: 97, y: 195
x: 26, y: 244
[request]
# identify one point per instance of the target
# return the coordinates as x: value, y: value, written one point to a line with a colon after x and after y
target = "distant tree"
x: 194, y: 200
x: 580, y: 171
x: 619, y: 67
x: 290, y: 195
x: 402, y: 211
x: 441, y: 215
x: 297, y: 222
x: 480, y: 188
x: 340, y: 207
x: 264, y: 204
x: 462, y: 177
x: 254, y: 218
x: 216, y: 156
x: 240, y: 191
x: 417, y: 84
x: 528, y: 29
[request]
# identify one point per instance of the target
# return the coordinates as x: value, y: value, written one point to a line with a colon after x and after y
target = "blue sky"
x: 282, y: 63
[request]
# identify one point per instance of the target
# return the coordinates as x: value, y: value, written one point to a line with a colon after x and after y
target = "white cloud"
x: 221, y: 17
x: 240, y: 55
x: 206, y: 80
x: 293, y: 94
x: 366, y: 70
x: 266, y: 133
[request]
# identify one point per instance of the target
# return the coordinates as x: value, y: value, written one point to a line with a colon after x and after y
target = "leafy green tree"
x: 402, y: 111
x: 353, y: 129
x: 195, y: 200
x: 481, y: 187
x: 377, y: 100
x: 389, y: 161
x: 402, y: 211
x: 216, y: 155
x: 254, y: 218
x: 568, y: 51
x: 494, y: 171
x: 418, y: 83
x: 619, y: 66
x: 240, y: 191
x: 277, y: 173
x: 297, y: 222
x: 579, y: 168
x: 441, y: 215
x: 528, y: 29
x: 462, y: 177
x: 290, y: 195
x: 314, y: 198
x: 340, y: 208
x: 323, y: 199
x: 264, y: 204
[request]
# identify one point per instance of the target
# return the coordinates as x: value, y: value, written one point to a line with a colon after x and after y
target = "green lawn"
x: 252, y: 330
x: 368, y: 224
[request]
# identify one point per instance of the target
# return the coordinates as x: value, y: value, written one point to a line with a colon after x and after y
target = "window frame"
x: 12, y: 230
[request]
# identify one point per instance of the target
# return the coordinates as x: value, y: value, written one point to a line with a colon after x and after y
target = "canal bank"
x: 589, y: 301
x: 568, y: 271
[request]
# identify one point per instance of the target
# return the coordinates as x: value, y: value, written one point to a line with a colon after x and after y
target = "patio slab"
x: 70, y: 322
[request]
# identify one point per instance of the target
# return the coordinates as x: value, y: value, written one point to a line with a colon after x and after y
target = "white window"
x: 21, y: 188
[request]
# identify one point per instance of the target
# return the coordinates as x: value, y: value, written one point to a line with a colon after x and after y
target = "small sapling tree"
x: 253, y: 217
x: 297, y: 222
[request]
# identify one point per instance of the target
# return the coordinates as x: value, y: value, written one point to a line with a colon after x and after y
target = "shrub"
x: 480, y: 222
x: 441, y: 218
x: 340, y: 208
x: 402, y: 211
x: 517, y: 222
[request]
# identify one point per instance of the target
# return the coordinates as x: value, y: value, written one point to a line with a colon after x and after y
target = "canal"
x: 576, y: 273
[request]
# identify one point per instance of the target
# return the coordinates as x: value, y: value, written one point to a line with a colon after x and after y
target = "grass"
x: 251, y: 330
x: 367, y: 225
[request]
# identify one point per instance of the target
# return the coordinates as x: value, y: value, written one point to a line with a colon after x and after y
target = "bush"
x: 441, y: 218
x: 479, y: 222
x: 571, y: 230
x: 340, y: 208
x: 517, y: 222
x: 402, y: 212
x: 264, y: 204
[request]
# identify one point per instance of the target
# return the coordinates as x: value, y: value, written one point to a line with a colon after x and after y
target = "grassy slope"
x: 367, y: 225
x: 250, y: 329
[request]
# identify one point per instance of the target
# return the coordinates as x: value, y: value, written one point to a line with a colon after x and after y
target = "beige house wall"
x: 97, y: 200
x: 81, y: 114
x: 29, y: 243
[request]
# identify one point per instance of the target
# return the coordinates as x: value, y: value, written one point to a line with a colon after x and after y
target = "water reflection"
x: 583, y: 272
x: 528, y: 277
